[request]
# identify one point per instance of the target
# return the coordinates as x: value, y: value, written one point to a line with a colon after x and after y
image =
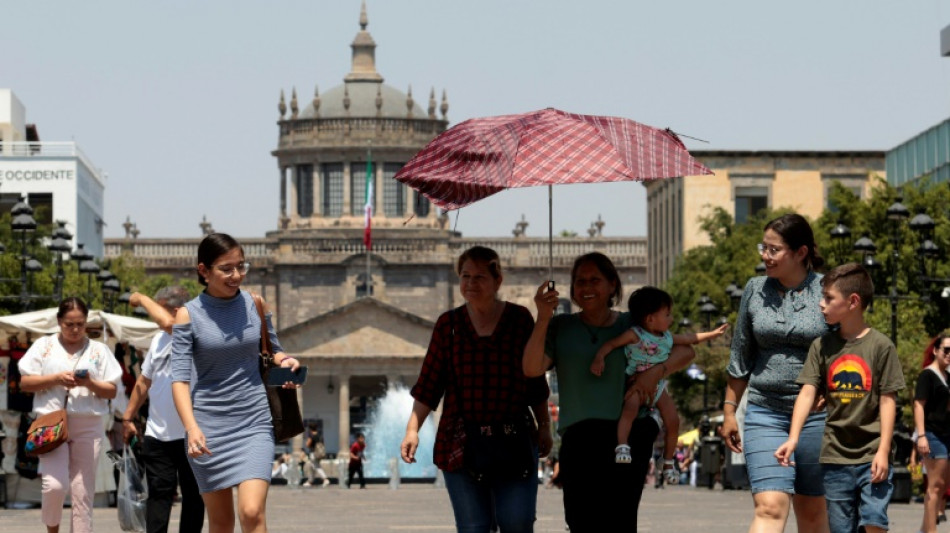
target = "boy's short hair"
x: 647, y: 300
x: 851, y: 278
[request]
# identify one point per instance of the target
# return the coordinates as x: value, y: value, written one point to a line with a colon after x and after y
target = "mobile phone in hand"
x: 551, y: 285
x: 82, y: 373
x: 276, y: 377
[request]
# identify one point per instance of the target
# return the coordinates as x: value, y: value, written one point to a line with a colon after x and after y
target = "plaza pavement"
x: 424, y: 508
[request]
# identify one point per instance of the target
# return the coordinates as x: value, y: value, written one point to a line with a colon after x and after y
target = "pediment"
x: 365, y: 327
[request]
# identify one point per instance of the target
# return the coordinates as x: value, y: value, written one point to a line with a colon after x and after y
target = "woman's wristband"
x: 730, y: 402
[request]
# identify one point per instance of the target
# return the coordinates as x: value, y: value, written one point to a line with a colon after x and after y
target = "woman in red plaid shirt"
x: 473, y: 365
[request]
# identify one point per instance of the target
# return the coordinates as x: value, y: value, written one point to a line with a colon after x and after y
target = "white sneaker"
x: 326, y: 482
x: 306, y: 484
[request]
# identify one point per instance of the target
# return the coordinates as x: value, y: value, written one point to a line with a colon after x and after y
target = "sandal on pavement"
x: 623, y: 454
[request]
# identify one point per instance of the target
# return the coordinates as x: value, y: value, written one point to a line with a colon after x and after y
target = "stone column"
x: 289, y: 174
x: 343, y: 402
x: 283, y: 192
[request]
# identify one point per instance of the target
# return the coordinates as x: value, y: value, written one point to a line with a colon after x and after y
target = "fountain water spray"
x: 386, y: 427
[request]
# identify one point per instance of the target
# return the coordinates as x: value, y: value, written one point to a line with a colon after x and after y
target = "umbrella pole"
x: 550, y: 233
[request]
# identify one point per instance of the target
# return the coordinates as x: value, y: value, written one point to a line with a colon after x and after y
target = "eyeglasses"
x: 229, y: 270
x: 942, y: 349
x: 771, y: 251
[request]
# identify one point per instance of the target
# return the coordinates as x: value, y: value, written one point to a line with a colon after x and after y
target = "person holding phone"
x: 71, y: 364
x: 166, y: 463
x: 599, y: 493
x: 224, y: 409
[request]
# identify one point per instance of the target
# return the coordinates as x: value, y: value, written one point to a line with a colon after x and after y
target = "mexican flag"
x: 367, y: 225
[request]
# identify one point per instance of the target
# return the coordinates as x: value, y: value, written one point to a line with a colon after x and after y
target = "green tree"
x: 42, y: 284
x: 731, y: 257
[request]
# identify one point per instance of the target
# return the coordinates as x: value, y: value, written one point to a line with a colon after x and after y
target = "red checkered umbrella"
x: 482, y: 156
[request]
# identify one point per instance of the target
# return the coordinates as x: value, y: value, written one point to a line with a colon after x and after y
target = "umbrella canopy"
x: 482, y: 156
x: 689, y: 437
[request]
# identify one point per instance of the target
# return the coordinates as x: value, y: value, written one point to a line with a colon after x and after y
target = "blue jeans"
x: 477, y: 505
x: 938, y: 448
x: 766, y: 430
x: 853, y: 501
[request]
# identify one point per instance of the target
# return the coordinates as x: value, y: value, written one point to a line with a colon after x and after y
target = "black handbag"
x: 497, y: 451
x: 501, y: 451
x: 284, y: 409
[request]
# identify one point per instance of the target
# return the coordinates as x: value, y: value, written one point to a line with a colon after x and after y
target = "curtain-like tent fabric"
x: 135, y: 331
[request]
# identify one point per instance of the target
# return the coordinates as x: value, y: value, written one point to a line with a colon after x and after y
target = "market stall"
x: 126, y: 336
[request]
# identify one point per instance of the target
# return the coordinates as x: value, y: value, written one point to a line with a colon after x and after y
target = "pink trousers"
x: 73, y: 465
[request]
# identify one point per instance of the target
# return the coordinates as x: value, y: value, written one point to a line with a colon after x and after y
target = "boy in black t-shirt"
x: 857, y: 370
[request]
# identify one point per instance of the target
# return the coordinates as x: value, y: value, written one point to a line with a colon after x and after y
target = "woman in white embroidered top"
x: 71, y: 363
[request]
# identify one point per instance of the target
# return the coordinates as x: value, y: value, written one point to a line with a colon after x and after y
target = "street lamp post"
x: 23, y: 225
x: 86, y: 266
x: 59, y: 245
x: 707, y: 309
x: 110, y: 287
x: 125, y: 298
x: 927, y: 253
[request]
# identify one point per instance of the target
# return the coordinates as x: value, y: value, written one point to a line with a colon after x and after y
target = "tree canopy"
x: 731, y: 257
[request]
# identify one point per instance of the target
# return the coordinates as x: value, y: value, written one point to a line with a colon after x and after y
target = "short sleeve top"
x: 932, y: 389
x: 47, y: 356
x: 774, y: 329
x: 571, y: 344
x: 853, y: 375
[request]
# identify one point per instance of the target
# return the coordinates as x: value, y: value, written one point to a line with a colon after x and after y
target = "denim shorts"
x: 764, y: 431
x: 853, y: 501
x: 938, y: 448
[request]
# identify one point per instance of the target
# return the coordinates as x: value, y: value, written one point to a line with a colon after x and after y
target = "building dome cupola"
x: 364, y: 54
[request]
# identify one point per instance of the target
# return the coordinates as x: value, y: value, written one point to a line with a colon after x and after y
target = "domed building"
x: 324, y: 148
x: 361, y: 317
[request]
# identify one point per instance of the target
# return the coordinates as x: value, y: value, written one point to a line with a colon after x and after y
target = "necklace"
x: 603, y: 323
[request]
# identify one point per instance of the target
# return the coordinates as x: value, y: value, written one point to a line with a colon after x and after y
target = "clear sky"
x: 177, y: 101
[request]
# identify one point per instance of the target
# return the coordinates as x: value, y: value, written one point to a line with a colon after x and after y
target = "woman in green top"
x: 598, y: 492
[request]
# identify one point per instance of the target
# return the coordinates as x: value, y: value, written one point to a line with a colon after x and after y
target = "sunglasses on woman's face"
x: 942, y: 349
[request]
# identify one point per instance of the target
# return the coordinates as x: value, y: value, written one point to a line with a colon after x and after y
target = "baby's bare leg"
x: 631, y: 406
x: 671, y: 421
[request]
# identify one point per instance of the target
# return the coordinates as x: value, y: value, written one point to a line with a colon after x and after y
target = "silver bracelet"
x: 730, y: 402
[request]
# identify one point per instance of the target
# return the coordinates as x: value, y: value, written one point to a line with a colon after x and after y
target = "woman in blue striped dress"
x: 230, y: 437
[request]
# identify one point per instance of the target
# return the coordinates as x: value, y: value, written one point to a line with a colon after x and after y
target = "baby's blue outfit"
x: 650, y: 350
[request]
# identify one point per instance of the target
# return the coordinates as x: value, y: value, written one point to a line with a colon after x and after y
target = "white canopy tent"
x: 115, y: 329
x: 118, y: 328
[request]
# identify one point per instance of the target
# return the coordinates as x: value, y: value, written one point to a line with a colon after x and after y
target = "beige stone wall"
x: 700, y: 194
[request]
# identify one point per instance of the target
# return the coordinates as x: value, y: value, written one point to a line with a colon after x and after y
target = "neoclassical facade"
x: 361, y: 319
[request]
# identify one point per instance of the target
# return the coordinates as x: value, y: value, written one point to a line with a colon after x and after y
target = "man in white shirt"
x: 166, y: 463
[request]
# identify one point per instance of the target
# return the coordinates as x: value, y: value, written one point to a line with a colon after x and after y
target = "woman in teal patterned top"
x: 778, y: 319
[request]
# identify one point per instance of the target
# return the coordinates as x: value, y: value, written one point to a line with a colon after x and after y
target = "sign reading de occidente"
x: 37, y: 174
